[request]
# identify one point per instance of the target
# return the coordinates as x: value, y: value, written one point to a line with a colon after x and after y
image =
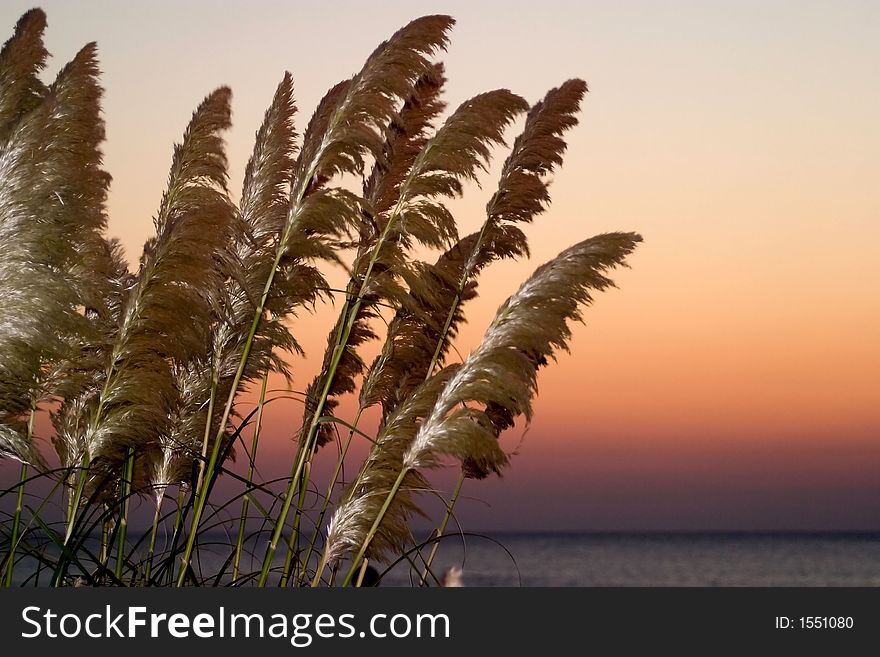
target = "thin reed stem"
x: 211, y: 401
x: 19, y: 503
x: 306, y: 448
x: 442, y: 528
x: 293, y: 540
x: 178, y: 525
x: 75, y: 499
x: 86, y: 462
x: 455, y: 303
x: 127, y: 476
x: 16, y: 520
x: 330, y: 486
x: 437, y: 351
x: 361, y: 573
x: 104, y: 553
x: 154, y: 530
x: 341, y: 339
x: 246, y: 500
x: 296, y: 201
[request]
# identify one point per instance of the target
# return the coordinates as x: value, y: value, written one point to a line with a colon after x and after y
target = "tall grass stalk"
x: 440, y: 531
x: 328, y: 496
x: 293, y: 548
x: 207, y: 437
x: 176, y: 530
x: 502, y: 106
x: 252, y: 460
x: 9, y: 563
x: 298, y: 480
x: 19, y: 504
x: 125, y: 502
x: 76, y: 496
x: 104, y: 549
x: 151, y: 549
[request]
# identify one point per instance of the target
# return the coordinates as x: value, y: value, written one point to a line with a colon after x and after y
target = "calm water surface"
x: 663, y: 560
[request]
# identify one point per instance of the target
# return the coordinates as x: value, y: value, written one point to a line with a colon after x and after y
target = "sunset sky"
x: 733, y: 379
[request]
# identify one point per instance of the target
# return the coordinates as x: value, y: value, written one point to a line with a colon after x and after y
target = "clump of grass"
x: 142, y: 373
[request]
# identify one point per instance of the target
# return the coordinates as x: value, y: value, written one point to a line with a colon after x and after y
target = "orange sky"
x: 732, y: 381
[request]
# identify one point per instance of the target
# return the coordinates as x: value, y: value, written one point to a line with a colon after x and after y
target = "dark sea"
x: 607, y: 560
x: 660, y: 559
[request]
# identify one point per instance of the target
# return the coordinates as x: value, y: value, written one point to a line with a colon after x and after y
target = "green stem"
x: 246, y: 500
x: 434, y: 359
x: 442, y: 528
x: 19, y: 501
x: 123, y: 511
x: 16, y: 521
x: 293, y: 540
x: 333, y: 479
x: 211, y: 401
x: 76, y: 498
x: 104, y: 554
x: 86, y: 463
x: 361, y: 572
x: 322, y: 563
x: 178, y: 524
x: 153, y: 532
x: 305, y: 451
x: 442, y: 340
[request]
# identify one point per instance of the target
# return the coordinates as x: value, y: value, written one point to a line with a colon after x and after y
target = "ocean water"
x: 609, y: 560
x: 660, y: 559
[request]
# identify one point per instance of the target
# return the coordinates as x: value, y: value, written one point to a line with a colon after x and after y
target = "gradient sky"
x: 731, y: 382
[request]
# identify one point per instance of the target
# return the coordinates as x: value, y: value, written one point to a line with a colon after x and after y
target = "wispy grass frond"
x: 349, y: 122
x: 308, y: 169
x: 447, y: 415
x: 397, y: 72
x: 356, y: 128
x: 78, y: 183
x: 501, y: 374
x: 352, y: 520
x: 52, y: 193
x: 422, y: 330
x: 521, y: 195
x: 266, y: 187
x: 169, y: 309
x: 248, y: 264
x: 418, y: 327
x: 405, y: 135
x: 462, y: 146
x: 82, y: 378
x: 453, y: 155
x: 178, y: 276
x: 523, y: 187
x: 22, y: 58
x: 263, y: 210
x: 458, y: 149
x: 15, y: 445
